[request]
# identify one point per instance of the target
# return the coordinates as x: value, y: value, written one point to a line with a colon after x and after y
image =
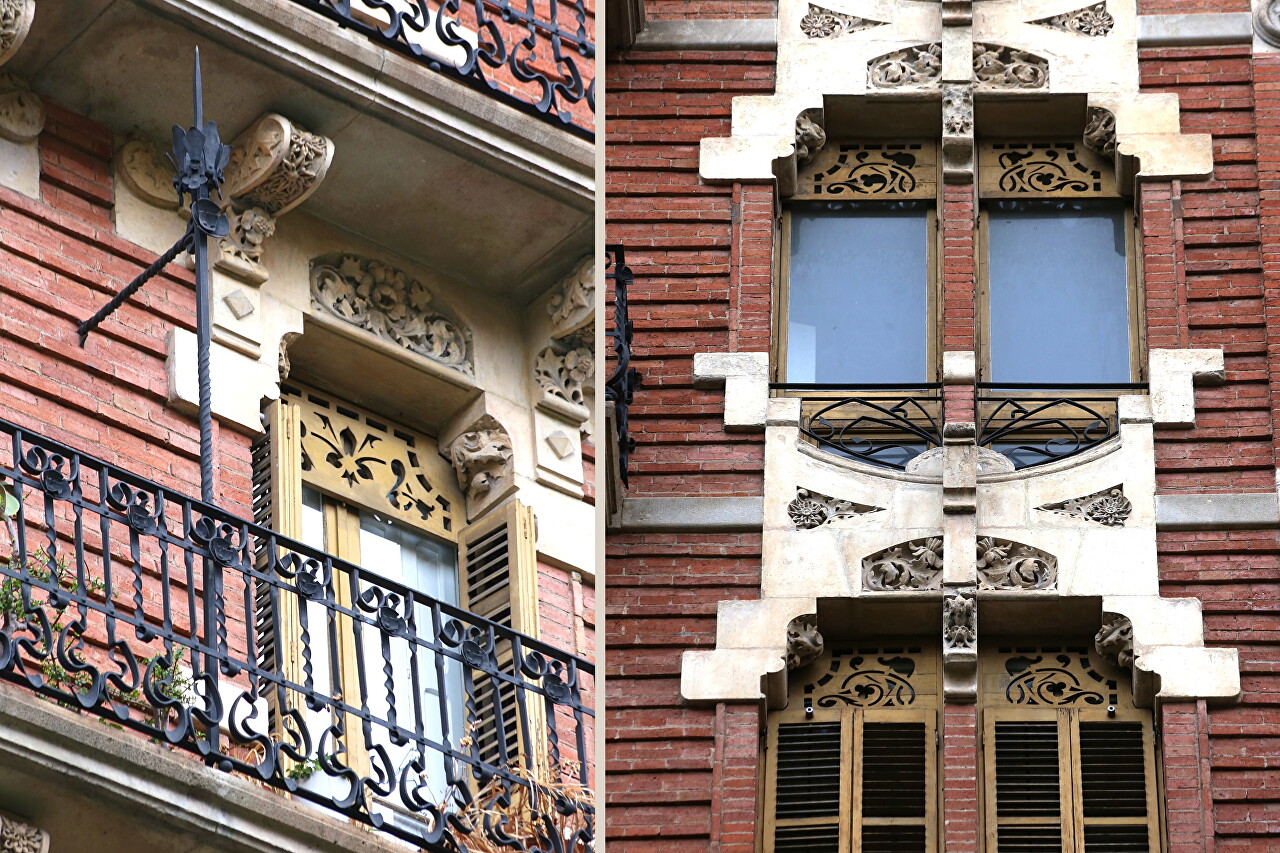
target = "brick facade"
x: 1209, y: 267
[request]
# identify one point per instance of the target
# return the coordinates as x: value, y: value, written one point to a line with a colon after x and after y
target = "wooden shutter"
x: 838, y: 776
x: 1116, y: 787
x: 498, y: 564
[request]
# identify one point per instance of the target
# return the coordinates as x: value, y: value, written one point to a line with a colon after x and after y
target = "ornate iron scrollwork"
x: 881, y: 431
x: 620, y: 387
x: 1033, y: 430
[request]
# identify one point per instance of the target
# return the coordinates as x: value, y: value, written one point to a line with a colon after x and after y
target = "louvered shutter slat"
x: 808, y: 774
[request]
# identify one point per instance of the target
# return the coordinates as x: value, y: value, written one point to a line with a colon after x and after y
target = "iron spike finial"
x: 199, y: 95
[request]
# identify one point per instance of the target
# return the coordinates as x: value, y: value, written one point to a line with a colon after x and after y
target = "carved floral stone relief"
x: 812, y: 509
x: 21, y: 111
x: 276, y: 165
x: 564, y: 369
x: 957, y: 110
x: 15, y: 22
x: 823, y: 23
x: 1011, y: 565
x: 910, y: 67
x: 804, y: 642
x: 573, y: 308
x: 19, y: 837
x: 1108, y: 507
x: 142, y: 165
x: 387, y: 303
x: 1100, y: 132
x: 910, y: 565
x: 810, y: 138
x: 959, y: 620
x: 1092, y: 20
x: 997, y: 66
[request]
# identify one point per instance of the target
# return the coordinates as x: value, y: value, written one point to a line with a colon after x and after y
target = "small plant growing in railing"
x: 303, y: 770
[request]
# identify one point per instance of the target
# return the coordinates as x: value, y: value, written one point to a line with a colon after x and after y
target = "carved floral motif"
x: 810, y: 138
x: 811, y: 509
x: 15, y: 22
x: 1100, y: 132
x: 21, y: 111
x: 959, y: 620
x: 1092, y: 20
x: 565, y: 370
x: 142, y: 165
x: 804, y: 642
x: 573, y: 307
x: 821, y: 23
x: 481, y: 457
x: 1000, y: 67
x: 250, y: 228
x: 1108, y: 507
x: 275, y: 165
x: 18, y: 837
x: 386, y: 302
x: 1114, y: 639
x: 957, y: 110
x: 1012, y: 565
x: 910, y: 565
x: 913, y: 66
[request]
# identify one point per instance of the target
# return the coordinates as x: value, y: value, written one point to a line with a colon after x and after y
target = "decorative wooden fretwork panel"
x: 1040, y: 169
x: 366, y: 461
x: 1052, y: 677
x: 886, y: 677
x: 850, y: 171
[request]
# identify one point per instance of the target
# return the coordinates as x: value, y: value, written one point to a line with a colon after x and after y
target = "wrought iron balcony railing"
x: 623, y: 381
x: 535, y: 56
x: 889, y: 425
x: 262, y: 655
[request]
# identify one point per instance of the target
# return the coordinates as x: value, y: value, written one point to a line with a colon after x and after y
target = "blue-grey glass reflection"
x: 858, y: 293
x: 1059, y: 291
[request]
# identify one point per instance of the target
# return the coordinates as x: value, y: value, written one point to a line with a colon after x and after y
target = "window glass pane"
x: 858, y: 287
x: 1059, y: 291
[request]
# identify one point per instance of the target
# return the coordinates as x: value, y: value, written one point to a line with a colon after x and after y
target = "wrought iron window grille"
x: 622, y: 383
x: 130, y: 601
x: 1033, y: 424
x: 505, y: 54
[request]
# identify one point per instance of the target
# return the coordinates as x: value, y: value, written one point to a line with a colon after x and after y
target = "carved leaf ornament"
x: 1000, y: 67
x: 812, y: 509
x: 1092, y: 20
x: 911, y: 565
x: 920, y: 65
x: 822, y: 23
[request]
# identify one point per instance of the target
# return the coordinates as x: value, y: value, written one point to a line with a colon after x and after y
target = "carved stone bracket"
x: 997, y: 66
x: 1100, y: 132
x: 573, y: 308
x: 960, y: 644
x: 957, y: 133
x: 21, y: 111
x: 1114, y: 639
x: 387, y: 303
x: 15, y: 22
x: 810, y: 138
x: 1092, y: 20
x: 804, y: 642
x: 907, y: 566
x: 912, y: 67
x: 822, y: 23
x: 565, y: 370
x: 812, y: 509
x: 1012, y: 565
x: 482, y: 459
x: 142, y: 166
x: 1108, y: 507
x: 19, y: 837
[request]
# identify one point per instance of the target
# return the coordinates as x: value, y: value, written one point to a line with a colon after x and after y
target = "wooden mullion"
x: 1070, y: 784
x: 851, y: 780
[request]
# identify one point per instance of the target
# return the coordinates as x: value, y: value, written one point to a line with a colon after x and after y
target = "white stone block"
x: 745, y: 377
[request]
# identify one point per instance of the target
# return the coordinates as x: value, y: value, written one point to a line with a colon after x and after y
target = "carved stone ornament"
x: 1108, y: 507
x: 565, y: 370
x: 821, y: 23
x: 19, y: 837
x: 959, y: 620
x: 1266, y: 22
x: 1092, y: 20
x: 142, y: 166
x: 957, y: 111
x: 481, y: 457
x: 275, y: 165
x: 804, y: 642
x: 387, y: 303
x: 15, y: 22
x: 810, y: 137
x: 21, y: 111
x: 242, y: 247
x: 573, y: 308
x: 812, y: 509
x: 1100, y: 132
x: 1114, y: 639
x: 913, y: 66
x: 910, y: 565
x: 1012, y: 565
x: 997, y: 66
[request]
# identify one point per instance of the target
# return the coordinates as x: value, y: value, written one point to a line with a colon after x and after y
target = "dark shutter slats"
x: 1116, y: 839
x: 1027, y: 783
x: 807, y: 839
x: 1113, y: 769
x: 809, y: 762
x: 893, y: 839
x: 1030, y: 839
x: 893, y: 770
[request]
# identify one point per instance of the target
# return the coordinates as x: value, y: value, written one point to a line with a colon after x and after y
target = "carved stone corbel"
x: 142, y: 166
x: 275, y: 166
x: 1100, y: 132
x: 960, y: 645
x: 573, y: 308
x: 810, y: 138
x: 1266, y: 21
x: 957, y: 133
x: 565, y: 369
x: 19, y: 837
x: 15, y: 22
x: 482, y: 459
x: 21, y: 111
x: 804, y: 642
x: 1114, y: 639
